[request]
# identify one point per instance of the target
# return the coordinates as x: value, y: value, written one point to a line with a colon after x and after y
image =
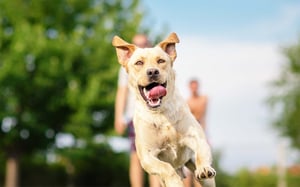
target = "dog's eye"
x: 160, y: 61
x: 139, y: 63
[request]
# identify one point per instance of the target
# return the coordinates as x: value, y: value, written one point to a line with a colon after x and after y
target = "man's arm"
x: 120, y: 103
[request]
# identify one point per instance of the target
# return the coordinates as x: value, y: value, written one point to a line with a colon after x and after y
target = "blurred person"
x: 124, y: 109
x: 197, y: 102
x: 198, y: 106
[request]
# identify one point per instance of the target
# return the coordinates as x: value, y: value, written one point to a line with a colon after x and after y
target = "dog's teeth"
x: 154, y: 103
x: 146, y: 92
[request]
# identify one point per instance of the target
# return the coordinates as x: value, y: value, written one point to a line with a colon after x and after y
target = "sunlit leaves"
x: 285, y: 98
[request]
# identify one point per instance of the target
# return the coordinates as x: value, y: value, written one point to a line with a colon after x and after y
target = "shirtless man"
x: 198, y: 105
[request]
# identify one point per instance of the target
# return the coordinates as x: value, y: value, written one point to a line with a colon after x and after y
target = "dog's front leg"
x: 202, y: 156
x: 164, y: 170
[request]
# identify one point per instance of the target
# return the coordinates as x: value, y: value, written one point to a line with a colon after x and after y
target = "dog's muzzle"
x: 153, y: 93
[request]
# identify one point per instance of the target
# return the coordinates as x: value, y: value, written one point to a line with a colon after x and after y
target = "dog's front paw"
x: 204, y: 173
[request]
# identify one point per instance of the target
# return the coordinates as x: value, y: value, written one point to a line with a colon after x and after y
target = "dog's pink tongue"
x: 157, y: 92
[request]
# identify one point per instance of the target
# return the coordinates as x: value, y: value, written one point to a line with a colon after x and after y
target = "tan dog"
x: 168, y: 137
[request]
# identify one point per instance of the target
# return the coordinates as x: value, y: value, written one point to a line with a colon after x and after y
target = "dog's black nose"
x: 152, y: 73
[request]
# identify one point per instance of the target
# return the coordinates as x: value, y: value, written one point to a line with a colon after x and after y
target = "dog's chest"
x: 163, y: 133
x: 167, y: 140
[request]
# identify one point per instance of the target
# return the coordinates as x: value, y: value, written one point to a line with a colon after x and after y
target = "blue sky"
x: 247, y: 20
x: 234, y: 48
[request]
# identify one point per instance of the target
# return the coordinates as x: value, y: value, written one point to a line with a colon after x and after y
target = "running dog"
x: 168, y: 137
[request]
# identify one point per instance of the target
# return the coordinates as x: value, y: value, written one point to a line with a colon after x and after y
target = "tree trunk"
x: 12, y: 171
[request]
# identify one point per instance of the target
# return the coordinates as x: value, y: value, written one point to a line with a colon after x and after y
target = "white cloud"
x: 226, y: 66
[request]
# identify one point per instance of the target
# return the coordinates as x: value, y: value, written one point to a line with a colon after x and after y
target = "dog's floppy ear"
x: 124, y: 50
x: 168, y: 45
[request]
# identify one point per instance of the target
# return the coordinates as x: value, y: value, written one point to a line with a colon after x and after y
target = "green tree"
x: 246, y: 178
x: 57, y: 71
x: 286, y: 96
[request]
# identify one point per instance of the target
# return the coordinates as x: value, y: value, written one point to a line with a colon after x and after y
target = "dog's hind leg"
x: 181, y: 173
x: 191, y: 165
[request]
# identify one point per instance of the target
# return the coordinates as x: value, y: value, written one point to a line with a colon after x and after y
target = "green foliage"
x: 2, y: 167
x: 246, y: 178
x: 293, y: 180
x: 37, y: 172
x: 58, y: 74
x: 91, y: 168
x: 58, y: 69
x: 286, y: 96
x: 111, y: 168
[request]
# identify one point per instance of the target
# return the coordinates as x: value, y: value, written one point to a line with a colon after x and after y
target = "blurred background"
x: 58, y: 79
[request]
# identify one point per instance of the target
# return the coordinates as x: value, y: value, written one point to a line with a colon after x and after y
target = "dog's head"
x: 150, y: 71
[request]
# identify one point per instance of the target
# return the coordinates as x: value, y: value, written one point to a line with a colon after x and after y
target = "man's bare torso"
x: 198, y: 106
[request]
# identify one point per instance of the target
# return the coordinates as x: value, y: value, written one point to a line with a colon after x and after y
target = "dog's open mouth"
x: 153, y: 93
